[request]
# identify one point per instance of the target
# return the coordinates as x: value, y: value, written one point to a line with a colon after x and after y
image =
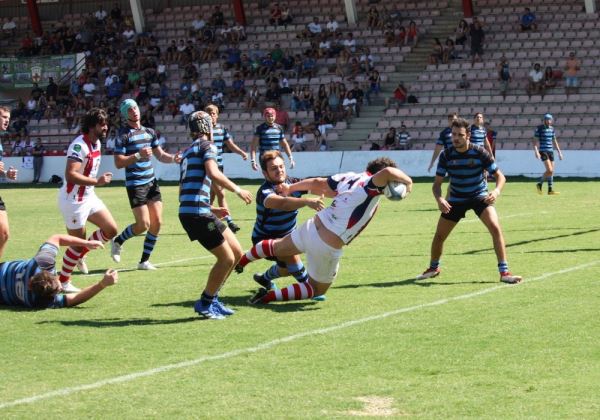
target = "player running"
x: 221, y: 137
x: 544, y: 143
x: 276, y: 217
x: 77, y: 198
x: 33, y: 283
x: 202, y: 221
x: 133, y: 151
x: 322, y: 237
x: 269, y: 136
x: 466, y: 164
x: 11, y: 174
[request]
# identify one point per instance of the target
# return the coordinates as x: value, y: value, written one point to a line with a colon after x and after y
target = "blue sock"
x: 298, y: 271
x: 503, y: 267
x: 228, y: 219
x: 272, y: 273
x: 542, y: 179
x: 206, y: 299
x: 434, y: 264
x: 550, y: 182
x: 149, y: 243
x: 126, y: 234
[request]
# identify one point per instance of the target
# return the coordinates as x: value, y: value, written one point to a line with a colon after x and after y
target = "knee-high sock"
x: 550, y: 182
x: 296, y: 291
x: 71, y: 256
x: 126, y: 234
x: 149, y: 243
x: 272, y: 272
x: 298, y: 271
x: 261, y: 250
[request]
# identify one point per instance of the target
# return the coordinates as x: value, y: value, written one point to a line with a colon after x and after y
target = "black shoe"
x: 239, y: 269
x: 258, y: 297
x: 234, y: 228
x: 538, y: 186
x: 259, y: 278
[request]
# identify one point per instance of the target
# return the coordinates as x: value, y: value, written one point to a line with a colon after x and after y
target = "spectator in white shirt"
x: 536, y: 80
x: 9, y: 28
x: 350, y: 43
x: 162, y: 141
x: 298, y: 140
x: 312, y: 29
x: 332, y: 25
x: 349, y: 105
x: 89, y: 88
x: 186, y: 109
x: 129, y: 34
x: 109, y: 80
x: 324, y: 46
x: 111, y: 140
x: 100, y: 15
x: 197, y: 25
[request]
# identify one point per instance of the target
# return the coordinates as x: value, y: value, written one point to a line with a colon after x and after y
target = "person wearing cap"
x: 201, y: 221
x: 269, y: 136
x: 544, y: 143
x: 134, y: 148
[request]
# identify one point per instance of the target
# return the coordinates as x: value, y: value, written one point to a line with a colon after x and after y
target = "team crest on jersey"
x: 77, y: 148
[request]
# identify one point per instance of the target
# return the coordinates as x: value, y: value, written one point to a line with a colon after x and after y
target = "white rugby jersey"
x: 355, y: 204
x: 88, y: 153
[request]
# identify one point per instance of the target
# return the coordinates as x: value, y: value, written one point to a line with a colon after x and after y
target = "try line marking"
x: 269, y: 344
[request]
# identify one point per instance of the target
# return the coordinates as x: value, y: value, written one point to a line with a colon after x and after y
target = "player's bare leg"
x: 4, y: 231
x: 443, y: 230
x: 218, y: 192
x: 154, y: 223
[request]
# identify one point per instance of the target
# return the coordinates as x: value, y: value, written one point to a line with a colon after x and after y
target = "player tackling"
x: 322, y: 237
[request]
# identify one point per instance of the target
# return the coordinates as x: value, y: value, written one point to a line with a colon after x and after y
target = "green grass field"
x: 456, y: 346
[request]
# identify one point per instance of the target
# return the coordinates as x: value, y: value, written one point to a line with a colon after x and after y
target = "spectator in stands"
x: 217, y: 17
x: 272, y: 96
x: 390, y: 140
x: 398, y: 98
x: 536, y: 81
x: 504, y: 75
x: 571, y: 70
x: 373, y: 18
x: 27, y: 46
x: 332, y: 25
x: 309, y: 67
x: 162, y: 141
x: 238, y: 89
x: 129, y: 35
x: 349, y: 106
x: 89, y: 89
x: 218, y: 84
x: 299, y: 139
x: 115, y: 14
x: 390, y: 36
x: 312, y: 29
x: 464, y: 82
x: 359, y: 95
x: 374, y: 85
x: 172, y: 52
x: 286, y: 15
x: 437, y: 52
x: 186, y: 109
x: 275, y: 14
x: 31, y: 107
x: 238, y: 32
x: 549, y: 80
x: 9, y: 28
x: 401, y: 36
x: 477, y: 39
x: 38, y: 160
x: 350, y: 43
x: 217, y: 99
x: 528, y: 21
x: 198, y: 25
x: 461, y: 33
x: 253, y: 97
x: 449, y: 52
x: 412, y: 35
x: 100, y: 16
x: 366, y: 60
x: 491, y: 136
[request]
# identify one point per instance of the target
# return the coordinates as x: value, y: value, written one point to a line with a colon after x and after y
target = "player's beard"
x: 102, y: 135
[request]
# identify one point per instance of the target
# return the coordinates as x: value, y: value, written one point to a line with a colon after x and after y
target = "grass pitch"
x: 459, y: 345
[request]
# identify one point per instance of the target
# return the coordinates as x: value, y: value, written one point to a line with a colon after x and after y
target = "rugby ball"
x: 395, y: 191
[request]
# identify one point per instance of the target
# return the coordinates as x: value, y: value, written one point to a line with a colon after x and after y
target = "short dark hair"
x: 378, y: 164
x: 461, y: 123
x: 452, y: 115
x: 268, y: 156
x: 91, y: 118
x: 45, y: 286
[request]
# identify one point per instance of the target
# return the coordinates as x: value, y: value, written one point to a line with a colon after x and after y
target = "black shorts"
x: 2, y: 205
x: 547, y: 156
x: 459, y: 210
x: 206, y: 229
x: 477, y: 49
x: 280, y: 263
x: 140, y: 195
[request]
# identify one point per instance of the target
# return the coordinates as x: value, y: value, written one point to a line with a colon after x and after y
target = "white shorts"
x: 323, y: 261
x: 76, y: 214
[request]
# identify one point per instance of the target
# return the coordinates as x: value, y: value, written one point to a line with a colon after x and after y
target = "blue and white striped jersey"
x: 131, y: 141
x: 545, y: 135
x: 194, y: 183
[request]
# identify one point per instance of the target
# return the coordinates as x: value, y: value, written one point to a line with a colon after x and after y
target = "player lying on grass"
x: 276, y: 217
x: 466, y: 166
x: 34, y: 284
x: 356, y: 198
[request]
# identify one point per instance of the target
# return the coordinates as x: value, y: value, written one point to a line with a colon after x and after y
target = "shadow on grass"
x: 537, y: 240
x: 242, y: 301
x: 119, y: 322
x: 409, y: 282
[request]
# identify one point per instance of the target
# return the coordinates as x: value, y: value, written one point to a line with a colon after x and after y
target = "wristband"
x: 237, y: 190
x: 137, y: 156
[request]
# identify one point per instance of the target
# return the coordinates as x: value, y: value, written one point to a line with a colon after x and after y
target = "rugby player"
x: 11, y: 174
x: 269, y: 136
x: 479, y: 133
x: 544, y: 143
x: 444, y: 140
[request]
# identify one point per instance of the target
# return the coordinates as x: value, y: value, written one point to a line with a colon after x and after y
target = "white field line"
x: 157, y: 265
x: 269, y: 344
